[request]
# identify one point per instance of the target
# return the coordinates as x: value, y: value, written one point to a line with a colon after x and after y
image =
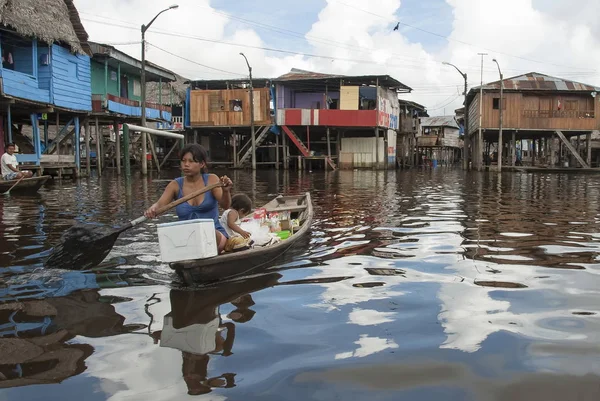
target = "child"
x: 241, y: 206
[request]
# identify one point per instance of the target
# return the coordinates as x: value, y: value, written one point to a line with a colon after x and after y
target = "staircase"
x: 294, y: 138
x: 331, y: 163
x: 259, y: 139
x: 303, y: 149
x: 64, y: 133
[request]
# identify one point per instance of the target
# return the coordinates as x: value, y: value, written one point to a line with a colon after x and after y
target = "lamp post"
x: 251, y: 113
x: 143, y: 88
x: 466, y: 139
x: 500, y: 106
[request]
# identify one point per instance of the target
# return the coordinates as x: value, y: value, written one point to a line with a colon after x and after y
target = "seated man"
x: 10, y: 166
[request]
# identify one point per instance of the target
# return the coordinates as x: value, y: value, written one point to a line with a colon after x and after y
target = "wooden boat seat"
x: 287, y: 204
x: 286, y: 208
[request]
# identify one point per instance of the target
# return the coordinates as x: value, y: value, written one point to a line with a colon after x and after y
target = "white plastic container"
x: 188, y: 239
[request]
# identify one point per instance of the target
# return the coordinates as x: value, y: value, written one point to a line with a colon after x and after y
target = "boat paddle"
x: 15, y: 184
x: 83, y: 246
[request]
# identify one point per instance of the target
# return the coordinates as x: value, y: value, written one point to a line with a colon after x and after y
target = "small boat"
x: 234, y: 264
x: 26, y: 186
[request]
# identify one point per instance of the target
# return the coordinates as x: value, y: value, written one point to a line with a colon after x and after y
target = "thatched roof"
x: 54, y: 21
x: 179, y: 90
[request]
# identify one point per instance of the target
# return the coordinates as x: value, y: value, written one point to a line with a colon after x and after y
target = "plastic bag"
x: 259, y: 234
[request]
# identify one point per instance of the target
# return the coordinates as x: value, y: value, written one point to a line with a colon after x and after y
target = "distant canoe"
x: 233, y: 264
x: 26, y: 186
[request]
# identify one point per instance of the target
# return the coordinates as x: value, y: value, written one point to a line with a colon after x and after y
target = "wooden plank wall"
x: 349, y: 97
x: 540, y: 112
x: 213, y: 107
x: 474, y: 115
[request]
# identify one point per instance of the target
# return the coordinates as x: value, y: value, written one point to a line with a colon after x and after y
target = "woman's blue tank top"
x: 208, y: 209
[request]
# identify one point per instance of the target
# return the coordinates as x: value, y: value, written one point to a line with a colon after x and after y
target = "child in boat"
x: 241, y: 206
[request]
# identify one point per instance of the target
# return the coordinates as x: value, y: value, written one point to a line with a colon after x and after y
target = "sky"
x: 202, y: 39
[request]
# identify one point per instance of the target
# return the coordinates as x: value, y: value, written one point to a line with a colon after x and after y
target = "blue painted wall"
x: 44, y: 71
x: 24, y: 86
x: 71, y: 79
x: 124, y: 109
x: 64, y: 82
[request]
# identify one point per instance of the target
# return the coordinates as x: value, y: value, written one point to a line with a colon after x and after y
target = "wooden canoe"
x: 26, y: 186
x: 234, y: 264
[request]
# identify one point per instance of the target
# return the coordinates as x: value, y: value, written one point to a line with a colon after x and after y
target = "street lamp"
x: 466, y: 139
x: 251, y: 113
x: 501, y: 106
x: 143, y: 84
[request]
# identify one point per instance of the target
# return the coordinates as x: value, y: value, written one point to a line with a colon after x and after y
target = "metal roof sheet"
x: 439, y: 121
x: 536, y: 81
x: 297, y: 75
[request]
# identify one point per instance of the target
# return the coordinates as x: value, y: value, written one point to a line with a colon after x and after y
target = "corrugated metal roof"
x: 439, y: 121
x: 536, y: 81
x: 296, y: 75
x: 410, y: 103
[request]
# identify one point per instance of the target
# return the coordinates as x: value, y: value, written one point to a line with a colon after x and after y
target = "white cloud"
x: 519, y: 32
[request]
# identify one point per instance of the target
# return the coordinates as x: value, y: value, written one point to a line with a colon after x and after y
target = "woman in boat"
x: 195, y: 177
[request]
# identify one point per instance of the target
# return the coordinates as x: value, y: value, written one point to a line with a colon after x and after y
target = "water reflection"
x: 412, y: 283
x: 36, y: 335
x: 195, y: 327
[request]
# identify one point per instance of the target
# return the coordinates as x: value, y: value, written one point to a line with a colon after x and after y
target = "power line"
x: 132, y: 26
x: 455, y: 40
x: 309, y: 55
x: 195, y: 62
x: 447, y: 104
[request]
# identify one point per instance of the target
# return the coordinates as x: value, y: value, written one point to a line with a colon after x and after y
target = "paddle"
x: 15, y: 184
x: 83, y: 247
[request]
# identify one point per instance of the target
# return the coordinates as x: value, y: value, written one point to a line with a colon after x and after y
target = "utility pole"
x: 143, y: 89
x: 501, y: 105
x: 466, y: 138
x: 480, y: 136
x: 253, y: 139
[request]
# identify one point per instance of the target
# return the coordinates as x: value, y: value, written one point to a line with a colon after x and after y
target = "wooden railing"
x: 558, y: 114
x: 97, y: 103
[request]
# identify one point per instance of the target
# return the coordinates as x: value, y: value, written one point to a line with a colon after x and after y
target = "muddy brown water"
x: 417, y: 285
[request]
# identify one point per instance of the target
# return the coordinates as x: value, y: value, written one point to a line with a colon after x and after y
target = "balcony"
x: 558, y: 114
x: 175, y: 124
x: 328, y: 117
x: 128, y: 107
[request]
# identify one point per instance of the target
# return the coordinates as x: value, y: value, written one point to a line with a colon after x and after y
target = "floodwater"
x: 419, y: 285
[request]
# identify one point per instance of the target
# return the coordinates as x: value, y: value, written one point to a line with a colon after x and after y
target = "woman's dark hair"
x: 198, y: 153
x: 241, y: 201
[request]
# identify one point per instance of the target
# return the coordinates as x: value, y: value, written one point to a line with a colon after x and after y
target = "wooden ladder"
x: 259, y: 139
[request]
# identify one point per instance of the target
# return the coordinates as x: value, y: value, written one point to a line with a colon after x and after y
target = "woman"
x: 195, y: 176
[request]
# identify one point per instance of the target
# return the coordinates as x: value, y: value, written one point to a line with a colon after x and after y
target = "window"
x: 17, y: 53
x: 137, y: 88
x: 235, y: 105
x: 72, y: 69
x: 496, y: 103
x: 571, y: 105
x: 216, y: 103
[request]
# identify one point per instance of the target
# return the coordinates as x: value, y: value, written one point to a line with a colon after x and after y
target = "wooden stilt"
x: 88, y: 158
x: 276, y: 152
x: 588, y: 147
x: 99, y: 160
x: 118, y: 147
x: 153, y: 150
